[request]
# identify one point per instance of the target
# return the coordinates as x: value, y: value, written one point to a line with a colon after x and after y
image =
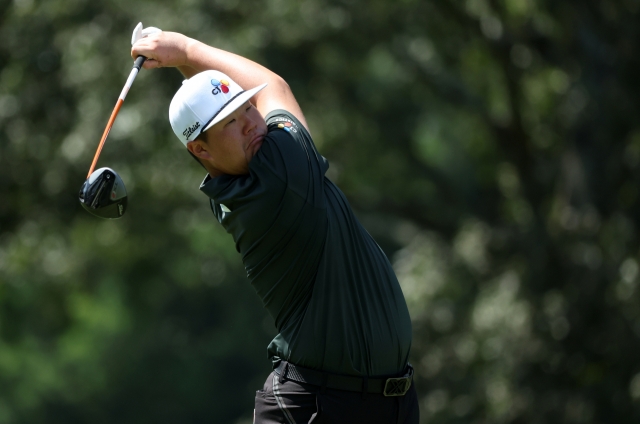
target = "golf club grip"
x: 139, y: 61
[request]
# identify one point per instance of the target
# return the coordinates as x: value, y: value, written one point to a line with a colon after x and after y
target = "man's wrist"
x: 191, y: 55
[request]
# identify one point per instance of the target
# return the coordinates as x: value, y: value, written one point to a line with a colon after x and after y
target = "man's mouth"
x: 255, y: 141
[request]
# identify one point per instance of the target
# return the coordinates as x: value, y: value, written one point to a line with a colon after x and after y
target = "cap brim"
x: 234, y: 104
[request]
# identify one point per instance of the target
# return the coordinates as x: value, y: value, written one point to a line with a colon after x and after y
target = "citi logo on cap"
x: 219, y: 86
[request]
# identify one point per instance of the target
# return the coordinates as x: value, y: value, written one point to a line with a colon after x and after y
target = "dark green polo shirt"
x: 329, y: 287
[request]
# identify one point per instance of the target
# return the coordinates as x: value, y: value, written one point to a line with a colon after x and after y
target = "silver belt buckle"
x: 397, y: 386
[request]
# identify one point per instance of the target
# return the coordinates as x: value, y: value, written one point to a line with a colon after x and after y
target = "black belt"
x: 392, y: 386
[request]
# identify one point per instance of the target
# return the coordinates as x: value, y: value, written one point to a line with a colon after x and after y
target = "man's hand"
x: 162, y: 49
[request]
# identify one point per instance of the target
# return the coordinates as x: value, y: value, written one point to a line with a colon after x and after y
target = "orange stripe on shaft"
x: 105, y: 134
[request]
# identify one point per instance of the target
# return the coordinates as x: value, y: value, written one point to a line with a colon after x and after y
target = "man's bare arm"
x: 190, y: 56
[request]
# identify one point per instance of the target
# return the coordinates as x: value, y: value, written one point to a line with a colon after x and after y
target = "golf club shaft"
x: 132, y: 76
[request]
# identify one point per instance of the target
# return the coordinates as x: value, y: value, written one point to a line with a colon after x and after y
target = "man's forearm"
x: 201, y: 57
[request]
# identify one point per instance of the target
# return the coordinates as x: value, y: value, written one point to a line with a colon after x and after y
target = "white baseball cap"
x: 204, y: 100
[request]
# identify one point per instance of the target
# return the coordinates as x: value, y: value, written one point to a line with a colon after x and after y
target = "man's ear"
x: 199, y: 149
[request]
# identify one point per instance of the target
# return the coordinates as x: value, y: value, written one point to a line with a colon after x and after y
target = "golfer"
x: 341, y: 355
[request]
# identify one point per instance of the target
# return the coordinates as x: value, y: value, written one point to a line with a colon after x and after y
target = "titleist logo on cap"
x: 190, y: 130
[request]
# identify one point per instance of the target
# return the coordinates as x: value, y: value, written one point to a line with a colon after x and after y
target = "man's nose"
x: 249, y: 124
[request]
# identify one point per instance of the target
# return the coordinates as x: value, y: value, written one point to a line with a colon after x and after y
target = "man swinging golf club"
x: 344, y: 329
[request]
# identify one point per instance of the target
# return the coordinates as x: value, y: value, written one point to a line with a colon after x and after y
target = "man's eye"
x: 230, y: 122
x: 249, y: 107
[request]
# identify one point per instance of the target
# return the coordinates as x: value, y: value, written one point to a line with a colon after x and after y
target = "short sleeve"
x: 289, y: 154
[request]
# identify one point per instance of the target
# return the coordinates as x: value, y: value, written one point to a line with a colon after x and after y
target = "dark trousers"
x: 299, y: 403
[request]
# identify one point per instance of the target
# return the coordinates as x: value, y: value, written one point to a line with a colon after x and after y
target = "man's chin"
x: 255, y: 146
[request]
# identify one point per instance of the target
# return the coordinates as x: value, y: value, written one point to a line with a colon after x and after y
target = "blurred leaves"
x: 490, y: 146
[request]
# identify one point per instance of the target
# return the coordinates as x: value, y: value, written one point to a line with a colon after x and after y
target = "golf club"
x: 103, y: 193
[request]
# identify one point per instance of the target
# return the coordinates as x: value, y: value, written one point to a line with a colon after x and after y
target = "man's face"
x: 232, y: 142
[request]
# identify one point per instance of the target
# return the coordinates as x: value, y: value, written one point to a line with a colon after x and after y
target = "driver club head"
x: 104, y: 194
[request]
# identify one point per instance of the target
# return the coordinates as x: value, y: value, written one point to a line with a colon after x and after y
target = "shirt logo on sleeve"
x: 287, y: 125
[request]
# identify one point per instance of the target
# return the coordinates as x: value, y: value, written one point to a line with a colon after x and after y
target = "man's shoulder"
x: 289, y: 142
x: 281, y: 119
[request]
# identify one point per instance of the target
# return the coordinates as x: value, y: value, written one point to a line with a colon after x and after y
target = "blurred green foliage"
x: 492, y: 147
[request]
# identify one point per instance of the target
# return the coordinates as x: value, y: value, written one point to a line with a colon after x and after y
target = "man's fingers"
x: 166, y: 49
x: 142, y: 48
x: 151, y: 64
